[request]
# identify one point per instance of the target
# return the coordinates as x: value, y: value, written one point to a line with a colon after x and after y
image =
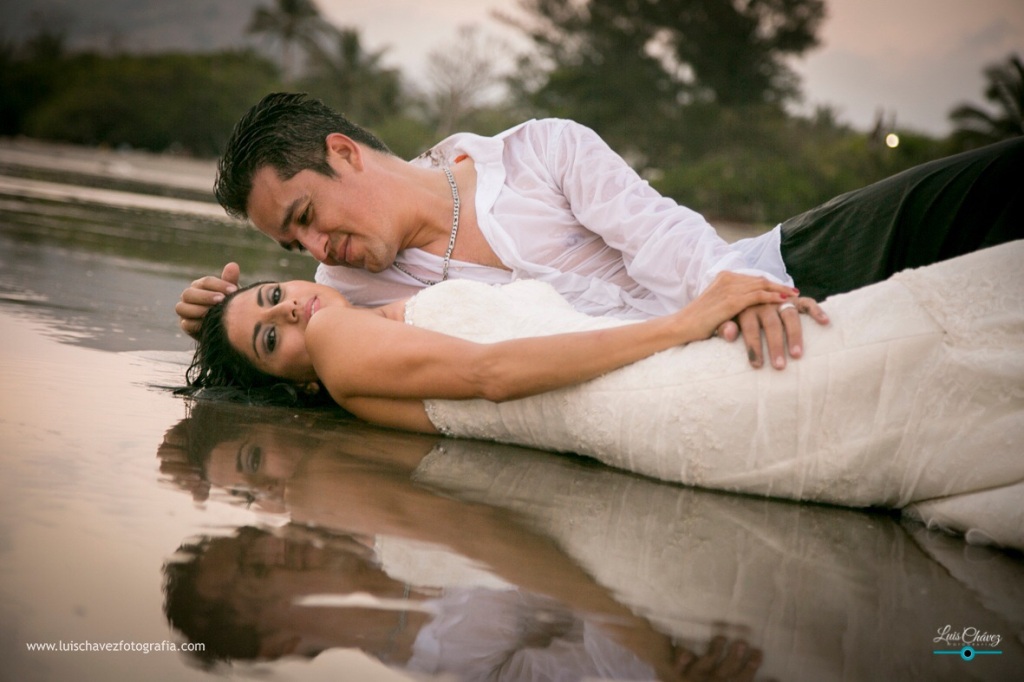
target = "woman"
x: 916, y: 395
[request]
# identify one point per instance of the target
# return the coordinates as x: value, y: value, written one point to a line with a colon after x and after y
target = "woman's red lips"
x: 312, y: 305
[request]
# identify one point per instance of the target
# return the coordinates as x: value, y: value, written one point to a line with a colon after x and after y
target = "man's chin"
x: 369, y: 267
x: 373, y: 266
x: 333, y: 263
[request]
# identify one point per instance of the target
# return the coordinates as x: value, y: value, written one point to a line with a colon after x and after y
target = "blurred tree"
x: 290, y: 22
x: 462, y: 75
x: 626, y: 67
x: 351, y: 79
x: 29, y: 73
x: 976, y: 127
x: 176, y: 102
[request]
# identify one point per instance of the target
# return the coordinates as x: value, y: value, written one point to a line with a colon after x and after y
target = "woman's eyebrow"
x: 259, y: 297
x: 255, y: 334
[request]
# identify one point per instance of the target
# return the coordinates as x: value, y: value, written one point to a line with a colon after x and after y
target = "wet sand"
x: 322, y: 535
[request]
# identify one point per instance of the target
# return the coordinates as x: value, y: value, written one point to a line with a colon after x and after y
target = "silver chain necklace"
x: 451, y: 240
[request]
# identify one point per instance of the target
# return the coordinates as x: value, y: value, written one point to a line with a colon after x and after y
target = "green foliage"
x: 176, y: 102
x: 758, y: 166
x: 407, y: 136
x: 289, y: 22
x: 691, y: 92
x: 975, y: 126
x: 350, y: 79
x: 646, y: 74
x: 29, y: 74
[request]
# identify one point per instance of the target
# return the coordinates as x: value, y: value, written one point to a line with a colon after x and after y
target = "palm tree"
x: 348, y: 76
x: 290, y: 22
x: 975, y: 126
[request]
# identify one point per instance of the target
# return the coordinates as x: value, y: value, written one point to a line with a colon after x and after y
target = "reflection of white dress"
x: 826, y: 593
x: 915, y: 393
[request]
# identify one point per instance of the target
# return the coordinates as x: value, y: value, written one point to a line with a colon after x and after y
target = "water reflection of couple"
x: 503, y: 603
x: 541, y: 544
x: 913, y: 400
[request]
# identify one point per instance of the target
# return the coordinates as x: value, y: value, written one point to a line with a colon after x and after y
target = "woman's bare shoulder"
x: 341, y: 321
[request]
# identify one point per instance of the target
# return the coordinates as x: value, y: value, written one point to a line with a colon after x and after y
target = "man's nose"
x: 316, y: 243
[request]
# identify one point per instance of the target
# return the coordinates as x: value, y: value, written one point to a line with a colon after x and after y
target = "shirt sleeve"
x: 668, y: 248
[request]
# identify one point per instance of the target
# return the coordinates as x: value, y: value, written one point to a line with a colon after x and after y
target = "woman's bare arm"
x: 405, y: 414
x: 359, y: 354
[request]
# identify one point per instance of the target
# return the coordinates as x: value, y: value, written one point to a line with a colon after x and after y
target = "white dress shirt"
x: 555, y: 203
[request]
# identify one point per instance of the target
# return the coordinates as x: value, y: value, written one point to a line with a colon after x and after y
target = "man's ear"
x: 344, y: 148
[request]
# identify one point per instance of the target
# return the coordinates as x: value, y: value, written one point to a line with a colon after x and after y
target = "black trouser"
x: 938, y: 210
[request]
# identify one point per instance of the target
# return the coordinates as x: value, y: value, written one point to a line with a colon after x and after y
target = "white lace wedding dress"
x: 913, y: 396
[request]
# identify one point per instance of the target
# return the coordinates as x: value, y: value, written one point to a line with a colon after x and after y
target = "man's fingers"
x: 215, y: 284
x: 190, y: 327
x: 811, y: 307
x: 191, y: 311
x: 198, y: 297
x: 707, y: 663
x: 203, y: 293
x: 728, y: 330
x: 774, y: 335
x: 734, y: 660
x: 750, y: 326
x: 231, y: 273
x: 775, y: 326
x: 794, y: 330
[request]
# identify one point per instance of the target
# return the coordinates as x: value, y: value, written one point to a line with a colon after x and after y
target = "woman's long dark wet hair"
x: 220, y: 372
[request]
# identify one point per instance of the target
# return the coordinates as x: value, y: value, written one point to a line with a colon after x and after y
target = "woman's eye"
x: 271, y: 340
x: 253, y: 459
x: 275, y: 295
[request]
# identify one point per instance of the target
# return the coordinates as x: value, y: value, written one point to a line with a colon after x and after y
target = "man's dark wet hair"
x: 214, y: 619
x: 212, y: 622
x: 288, y: 132
x: 221, y: 372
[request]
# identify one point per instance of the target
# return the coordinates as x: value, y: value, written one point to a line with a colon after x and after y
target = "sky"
x: 912, y: 59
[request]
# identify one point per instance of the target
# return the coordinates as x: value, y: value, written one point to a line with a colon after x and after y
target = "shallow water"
x: 272, y: 536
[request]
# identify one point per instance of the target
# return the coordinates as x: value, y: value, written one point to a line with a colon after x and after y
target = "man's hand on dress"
x: 735, y: 661
x: 781, y: 326
x: 202, y: 294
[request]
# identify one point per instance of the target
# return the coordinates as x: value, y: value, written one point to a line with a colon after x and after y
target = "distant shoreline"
x: 160, y: 174
x: 18, y: 155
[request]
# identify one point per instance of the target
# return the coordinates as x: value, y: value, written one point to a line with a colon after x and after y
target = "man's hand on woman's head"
x: 202, y: 294
x: 782, y: 329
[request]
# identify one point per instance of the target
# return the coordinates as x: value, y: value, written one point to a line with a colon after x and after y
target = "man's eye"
x: 271, y: 340
x: 306, y: 216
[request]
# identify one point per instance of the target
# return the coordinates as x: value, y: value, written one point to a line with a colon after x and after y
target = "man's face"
x: 338, y: 219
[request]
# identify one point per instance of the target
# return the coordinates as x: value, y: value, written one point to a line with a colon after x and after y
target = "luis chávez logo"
x: 970, y: 641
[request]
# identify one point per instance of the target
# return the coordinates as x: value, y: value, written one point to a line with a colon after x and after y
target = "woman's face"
x: 267, y: 324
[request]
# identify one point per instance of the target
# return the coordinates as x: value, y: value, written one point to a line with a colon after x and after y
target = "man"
x: 549, y: 200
